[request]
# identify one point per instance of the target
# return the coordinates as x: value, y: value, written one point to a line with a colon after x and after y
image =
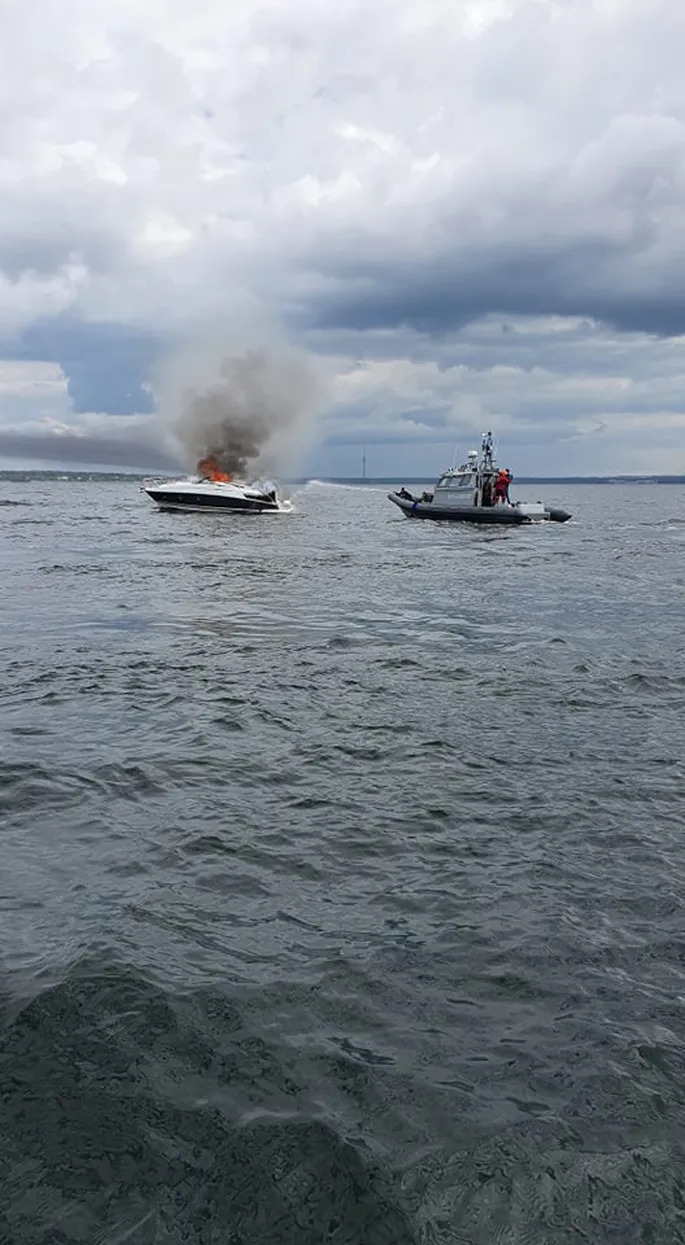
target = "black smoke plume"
x: 251, y: 409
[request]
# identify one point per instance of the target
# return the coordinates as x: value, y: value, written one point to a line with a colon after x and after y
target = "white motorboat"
x: 212, y: 489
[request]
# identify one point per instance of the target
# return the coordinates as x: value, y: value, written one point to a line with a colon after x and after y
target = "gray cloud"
x: 107, y: 366
x: 126, y: 453
x: 600, y: 280
x: 30, y: 242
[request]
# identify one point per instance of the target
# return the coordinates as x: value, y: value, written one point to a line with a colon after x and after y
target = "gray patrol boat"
x: 468, y: 494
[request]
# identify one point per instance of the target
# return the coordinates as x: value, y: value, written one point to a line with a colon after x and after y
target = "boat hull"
x: 494, y: 516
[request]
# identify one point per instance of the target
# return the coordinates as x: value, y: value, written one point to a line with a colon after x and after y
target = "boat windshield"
x: 456, y: 479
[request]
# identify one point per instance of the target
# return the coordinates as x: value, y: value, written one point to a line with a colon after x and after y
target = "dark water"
x: 341, y: 873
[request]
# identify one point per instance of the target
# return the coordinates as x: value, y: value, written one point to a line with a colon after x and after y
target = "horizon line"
x: 140, y: 474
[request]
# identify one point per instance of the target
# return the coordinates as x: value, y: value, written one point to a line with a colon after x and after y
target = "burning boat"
x: 213, y: 489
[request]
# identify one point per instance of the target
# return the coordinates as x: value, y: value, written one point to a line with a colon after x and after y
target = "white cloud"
x: 30, y: 296
x: 396, y: 179
x: 30, y: 379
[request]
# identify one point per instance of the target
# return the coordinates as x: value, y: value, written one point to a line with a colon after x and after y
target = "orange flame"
x: 210, y: 469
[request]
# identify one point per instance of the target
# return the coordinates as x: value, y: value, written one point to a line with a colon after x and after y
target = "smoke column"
x: 250, y: 406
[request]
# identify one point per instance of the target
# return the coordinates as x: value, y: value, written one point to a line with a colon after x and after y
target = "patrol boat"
x: 468, y: 494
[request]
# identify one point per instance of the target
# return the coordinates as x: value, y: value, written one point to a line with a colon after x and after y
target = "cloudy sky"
x: 472, y: 212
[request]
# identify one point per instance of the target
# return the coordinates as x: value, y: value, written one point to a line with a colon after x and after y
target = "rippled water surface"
x: 341, y: 873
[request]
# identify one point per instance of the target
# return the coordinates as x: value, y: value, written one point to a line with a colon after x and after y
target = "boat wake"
x: 336, y: 484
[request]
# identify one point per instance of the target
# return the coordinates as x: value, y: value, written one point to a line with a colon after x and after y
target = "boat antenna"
x: 454, y: 456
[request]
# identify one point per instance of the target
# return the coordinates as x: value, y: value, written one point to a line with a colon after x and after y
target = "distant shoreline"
x: 386, y: 481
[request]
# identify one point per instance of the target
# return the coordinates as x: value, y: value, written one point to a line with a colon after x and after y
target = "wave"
x: 133, y: 1113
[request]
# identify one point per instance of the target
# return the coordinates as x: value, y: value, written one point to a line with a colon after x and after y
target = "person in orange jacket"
x: 502, y: 482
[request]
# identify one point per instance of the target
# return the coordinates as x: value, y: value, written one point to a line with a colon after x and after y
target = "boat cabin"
x: 472, y: 484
